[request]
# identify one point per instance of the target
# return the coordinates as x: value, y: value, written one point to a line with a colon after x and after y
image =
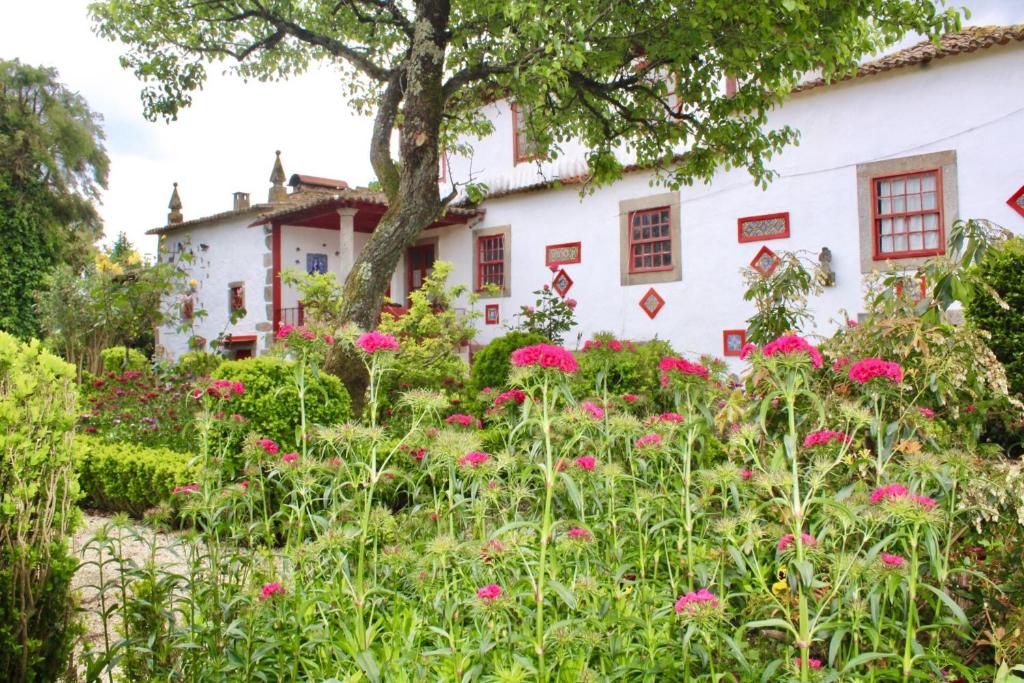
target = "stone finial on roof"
x: 278, y: 192
x: 175, y: 206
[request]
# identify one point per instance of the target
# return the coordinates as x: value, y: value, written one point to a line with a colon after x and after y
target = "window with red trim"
x: 524, y: 147
x: 907, y: 214
x: 236, y: 298
x: 490, y: 262
x: 650, y: 240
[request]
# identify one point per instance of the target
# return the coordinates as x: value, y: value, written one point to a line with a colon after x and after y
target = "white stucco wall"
x: 970, y: 104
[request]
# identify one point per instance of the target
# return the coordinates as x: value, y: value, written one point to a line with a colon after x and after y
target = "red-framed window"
x: 490, y: 261
x: 236, y: 298
x: 906, y: 213
x: 524, y: 147
x: 650, y: 240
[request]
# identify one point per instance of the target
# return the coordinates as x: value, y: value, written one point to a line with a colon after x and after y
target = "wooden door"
x: 419, y: 264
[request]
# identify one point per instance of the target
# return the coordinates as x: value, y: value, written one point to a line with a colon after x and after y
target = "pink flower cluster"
x: 892, y: 560
x: 812, y: 663
x: 790, y: 539
x: 927, y: 412
x: 666, y: 417
x: 746, y: 350
x: 595, y: 411
x: 630, y: 398
x: 270, y: 590
x: 867, y: 369
x: 372, y: 342
x: 186, y: 489
x: 611, y: 344
x: 897, y: 492
x: 681, y: 366
x: 473, y: 459
x: 580, y: 534
x: 225, y: 389
x: 545, y: 356
x: 692, y: 602
x: 489, y: 593
x: 269, y: 447
x: 289, y: 457
x: 464, y: 420
x: 648, y: 440
x: 515, y: 395
x: 745, y: 475
x: 790, y: 344
x: 586, y: 462
x: 824, y: 438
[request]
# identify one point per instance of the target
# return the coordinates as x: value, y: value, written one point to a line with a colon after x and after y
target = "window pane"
x: 914, y: 202
x: 899, y: 243
x: 915, y: 223
x: 884, y: 206
x: 886, y: 245
x: 928, y: 200
x: 914, y: 185
x: 666, y: 258
x: 916, y: 241
x: 886, y: 226
x: 931, y: 221
x: 928, y: 182
x: 899, y: 186
x: 884, y: 188
x: 899, y: 204
x: 931, y: 240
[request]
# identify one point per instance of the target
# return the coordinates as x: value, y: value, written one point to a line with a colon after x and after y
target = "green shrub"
x: 270, y: 403
x: 1001, y: 270
x: 117, y: 359
x: 199, y: 363
x: 624, y: 367
x: 38, y: 405
x: 122, y: 477
x: 491, y: 364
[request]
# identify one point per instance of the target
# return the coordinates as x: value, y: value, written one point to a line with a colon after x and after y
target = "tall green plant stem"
x: 798, y: 528
x: 545, y: 535
x: 911, y: 618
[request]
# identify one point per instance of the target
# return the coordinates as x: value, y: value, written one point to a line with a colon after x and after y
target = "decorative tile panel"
x: 733, y: 341
x: 562, y: 254
x: 771, y: 226
x: 651, y: 302
x: 491, y: 314
x: 1017, y: 201
x: 765, y: 262
x: 562, y: 283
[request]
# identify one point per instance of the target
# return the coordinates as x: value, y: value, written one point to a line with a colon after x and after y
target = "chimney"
x: 278, y: 193
x: 241, y: 201
x: 175, y: 206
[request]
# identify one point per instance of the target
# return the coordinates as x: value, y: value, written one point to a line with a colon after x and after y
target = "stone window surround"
x: 945, y: 162
x: 506, y: 232
x: 655, y: 201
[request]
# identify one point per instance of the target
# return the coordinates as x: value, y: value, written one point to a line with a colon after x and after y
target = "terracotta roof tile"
x: 312, y: 198
x: 319, y: 182
x: 970, y: 39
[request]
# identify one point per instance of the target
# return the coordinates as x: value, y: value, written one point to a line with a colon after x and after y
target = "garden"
x: 842, y: 508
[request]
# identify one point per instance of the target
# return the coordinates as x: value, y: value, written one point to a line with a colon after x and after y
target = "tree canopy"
x: 643, y: 77
x: 54, y: 166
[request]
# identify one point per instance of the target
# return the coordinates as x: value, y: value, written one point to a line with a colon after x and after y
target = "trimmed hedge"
x: 1001, y: 270
x: 115, y: 360
x: 122, y: 477
x: 270, y: 403
x: 491, y: 365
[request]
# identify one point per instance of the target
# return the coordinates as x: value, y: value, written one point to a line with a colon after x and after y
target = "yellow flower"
x: 781, y: 587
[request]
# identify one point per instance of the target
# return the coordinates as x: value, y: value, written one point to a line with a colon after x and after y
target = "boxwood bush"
x: 491, y: 364
x: 117, y: 359
x: 1001, y: 270
x: 270, y: 403
x: 122, y: 477
x: 38, y: 405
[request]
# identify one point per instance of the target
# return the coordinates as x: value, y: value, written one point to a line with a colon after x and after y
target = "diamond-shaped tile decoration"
x: 562, y: 283
x: 765, y: 262
x: 1017, y: 201
x: 651, y: 302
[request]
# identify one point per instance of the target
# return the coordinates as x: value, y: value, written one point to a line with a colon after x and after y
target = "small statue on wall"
x: 826, y: 276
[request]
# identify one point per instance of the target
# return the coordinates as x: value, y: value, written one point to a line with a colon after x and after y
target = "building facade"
x: 887, y: 161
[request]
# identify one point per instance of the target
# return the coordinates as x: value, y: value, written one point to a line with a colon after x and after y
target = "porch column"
x: 346, y: 241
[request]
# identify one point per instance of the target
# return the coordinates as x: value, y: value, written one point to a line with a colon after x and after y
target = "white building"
x: 887, y: 161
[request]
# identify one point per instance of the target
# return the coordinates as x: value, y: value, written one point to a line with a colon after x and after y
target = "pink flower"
x: 789, y: 539
x: 970, y: 408
x: 840, y: 363
x: 693, y: 602
x: 489, y: 593
x: 746, y: 350
x: 579, y: 534
x: 586, y: 462
x: 867, y: 369
x: 667, y: 417
x: 681, y: 366
x: 545, y: 356
x: 615, y: 345
x: 285, y: 331
x: 418, y: 453
x: 926, y: 412
x: 746, y: 474
x: 473, y: 459
x: 307, y: 333
x: 812, y: 663
x: 790, y: 344
x: 516, y: 395
x: 924, y: 501
x: 186, y: 489
x: 464, y: 420
x: 270, y: 590
x: 824, y: 438
x: 245, y: 484
x: 630, y: 398
x: 888, y: 492
x: 571, y: 303
x: 648, y: 440
x: 268, y: 446
x: 596, y: 412
x: 329, y: 340
x: 371, y: 342
x: 289, y: 457
x: 892, y: 560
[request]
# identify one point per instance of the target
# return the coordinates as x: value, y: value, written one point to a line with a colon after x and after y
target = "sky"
x: 225, y: 141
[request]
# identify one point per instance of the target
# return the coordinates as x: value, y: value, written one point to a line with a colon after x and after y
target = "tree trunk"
x: 414, y: 199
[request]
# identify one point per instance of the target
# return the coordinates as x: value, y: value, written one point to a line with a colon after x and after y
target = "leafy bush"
x: 621, y: 368
x: 270, y: 403
x: 199, y: 363
x: 551, y: 316
x: 122, y: 477
x: 37, y: 512
x: 118, y: 359
x: 491, y: 364
x: 1001, y: 270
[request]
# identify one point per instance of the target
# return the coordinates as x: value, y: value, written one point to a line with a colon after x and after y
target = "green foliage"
x: 38, y: 405
x: 118, y: 359
x: 1003, y: 317
x: 780, y: 299
x: 199, y: 363
x: 619, y: 367
x: 127, y: 477
x: 270, y: 403
x: 551, y: 316
x: 492, y: 365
